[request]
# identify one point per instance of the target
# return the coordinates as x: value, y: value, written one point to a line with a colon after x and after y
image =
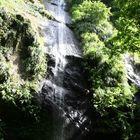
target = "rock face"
x: 64, y: 90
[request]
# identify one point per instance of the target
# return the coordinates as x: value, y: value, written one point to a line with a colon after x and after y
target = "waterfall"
x: 132, y: 72
x: 64, y: 89
x: 60, y: 51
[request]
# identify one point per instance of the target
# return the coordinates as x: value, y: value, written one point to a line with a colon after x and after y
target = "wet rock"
x: 54, y: 2
x: 74, y: 60
x: 51, y: 60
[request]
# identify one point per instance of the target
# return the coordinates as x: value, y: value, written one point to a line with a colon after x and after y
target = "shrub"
x: 111, y: 94
x: 22, y: 59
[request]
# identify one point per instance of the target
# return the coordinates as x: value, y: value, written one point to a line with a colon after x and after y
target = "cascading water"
x: 132, y: 72
x: 60, y: 52
x: 63, y: 89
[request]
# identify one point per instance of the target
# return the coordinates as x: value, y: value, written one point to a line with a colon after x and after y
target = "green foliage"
x: 92, y: 17
x: 93, y: 12
x: 127, y: 15
x: 22, y: 59
x: 4, y: 75
x: 129, y: 9
x: 29, y: 7
x: 111, y: 93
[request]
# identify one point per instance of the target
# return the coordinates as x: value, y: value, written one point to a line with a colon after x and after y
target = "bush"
x: 111, y: 94
x: 22, y: 59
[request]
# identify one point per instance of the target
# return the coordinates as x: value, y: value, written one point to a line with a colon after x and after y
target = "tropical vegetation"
x: 108, y: 30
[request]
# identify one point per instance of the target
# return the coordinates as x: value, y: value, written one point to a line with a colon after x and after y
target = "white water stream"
x: 132, y: 74
x: 60, y: 50
x: 64, y: 81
